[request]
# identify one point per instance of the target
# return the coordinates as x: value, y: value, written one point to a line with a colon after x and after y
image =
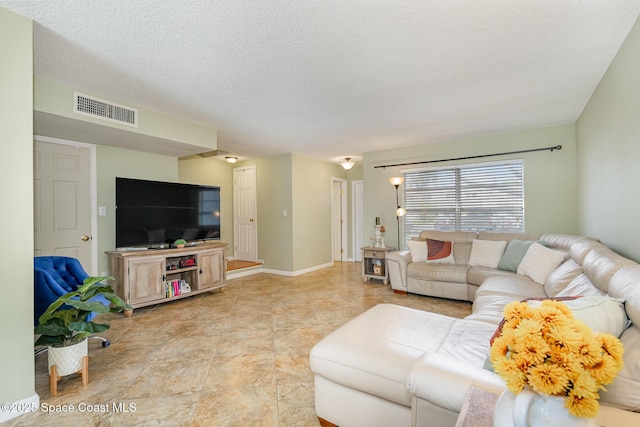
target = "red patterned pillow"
x: 440, y: 251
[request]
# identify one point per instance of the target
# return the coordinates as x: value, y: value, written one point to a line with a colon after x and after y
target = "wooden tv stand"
x: 153, y: 276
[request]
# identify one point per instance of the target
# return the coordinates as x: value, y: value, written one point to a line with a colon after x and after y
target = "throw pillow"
x: 440, y: 252
x: 601, y: 314
x: 418, y: 249
x: 516, y: 250
x: 486, y: 253
x: 539, y: 262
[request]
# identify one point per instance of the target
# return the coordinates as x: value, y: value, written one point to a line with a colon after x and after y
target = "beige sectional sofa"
x: 458, y: 280
x: 398, y: 366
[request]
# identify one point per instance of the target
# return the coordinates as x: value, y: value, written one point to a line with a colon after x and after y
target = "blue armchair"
x: 55, y: 276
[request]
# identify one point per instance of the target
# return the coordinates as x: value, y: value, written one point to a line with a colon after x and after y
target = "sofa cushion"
x: 486, y: 253
x: 454, y: 236
x: 515, y: 252
x: 489, y: 308
x: 564, y: 241
x: 579, y: 250
x: 539, y: 262
x: 581, y: 285
x: 626, y: 284
x: 515, y: 287
x: 477, y: 275
x: 624, y: 392
x: 497, y: 235
x: 454, y: 273
x: 601, y: 264
x: 560, y: 278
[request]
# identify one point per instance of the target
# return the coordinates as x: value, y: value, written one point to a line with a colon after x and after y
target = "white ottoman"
x: 361, y: 369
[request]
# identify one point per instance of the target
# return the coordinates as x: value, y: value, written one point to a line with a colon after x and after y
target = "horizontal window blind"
x: 485, y: 196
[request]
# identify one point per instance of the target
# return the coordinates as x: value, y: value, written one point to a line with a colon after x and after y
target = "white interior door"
x: 63, y: 203
x: 357, y: 208
x: 245, y: 214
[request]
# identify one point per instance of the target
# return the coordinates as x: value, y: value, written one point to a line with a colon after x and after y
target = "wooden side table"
x: 374, y: 264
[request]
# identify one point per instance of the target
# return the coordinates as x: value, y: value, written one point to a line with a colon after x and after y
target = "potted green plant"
x: 180, y: 243
x: 64, y: 327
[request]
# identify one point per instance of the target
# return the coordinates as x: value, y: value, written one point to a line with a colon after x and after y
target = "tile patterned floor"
x: 237, y: 357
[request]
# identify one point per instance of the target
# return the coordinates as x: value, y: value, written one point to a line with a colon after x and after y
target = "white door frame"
x: 357, y: 206
x: 93, y: 192
x: 343, y: 217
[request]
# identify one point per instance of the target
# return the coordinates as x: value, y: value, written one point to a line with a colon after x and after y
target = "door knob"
x: 251, y: 220
x: 85, y: 238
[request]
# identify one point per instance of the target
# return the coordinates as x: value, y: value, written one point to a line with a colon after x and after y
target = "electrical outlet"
x: 102, y: 211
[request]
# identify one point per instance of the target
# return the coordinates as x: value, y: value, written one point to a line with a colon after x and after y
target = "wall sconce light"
x: 347, y: 164
x: 396, y: 181
x: 231, y: 159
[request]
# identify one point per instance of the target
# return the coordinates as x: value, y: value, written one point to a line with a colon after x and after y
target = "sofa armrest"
x: 444, y: 381
x: 397, y: 266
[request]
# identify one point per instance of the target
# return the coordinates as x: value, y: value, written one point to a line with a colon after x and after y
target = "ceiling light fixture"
x: 231, y: 159
x: 347, y: 164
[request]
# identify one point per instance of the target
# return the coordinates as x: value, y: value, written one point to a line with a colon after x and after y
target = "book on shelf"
x: 174, y: 288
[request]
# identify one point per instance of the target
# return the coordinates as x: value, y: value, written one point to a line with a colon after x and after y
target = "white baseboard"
x: 248, y: 272
x: 234, y: 274
x: 298, y: 272
x: 21, y: 407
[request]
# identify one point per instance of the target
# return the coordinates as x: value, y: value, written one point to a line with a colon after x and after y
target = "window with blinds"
x: 481, y: 196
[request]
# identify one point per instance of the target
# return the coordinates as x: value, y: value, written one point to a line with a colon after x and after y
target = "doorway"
x: 65, y: 222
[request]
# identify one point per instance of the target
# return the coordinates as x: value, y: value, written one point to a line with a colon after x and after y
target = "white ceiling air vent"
x: 105, y: 110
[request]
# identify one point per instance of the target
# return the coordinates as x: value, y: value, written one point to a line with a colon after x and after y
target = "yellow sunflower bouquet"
x: 548, y: 350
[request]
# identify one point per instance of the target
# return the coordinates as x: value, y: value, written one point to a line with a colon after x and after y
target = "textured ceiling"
x: 332, y: 78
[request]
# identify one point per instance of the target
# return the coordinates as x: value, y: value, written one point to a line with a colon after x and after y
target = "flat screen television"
x: 154, y: 213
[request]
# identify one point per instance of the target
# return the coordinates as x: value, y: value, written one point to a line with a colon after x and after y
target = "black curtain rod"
x: 555, y: 147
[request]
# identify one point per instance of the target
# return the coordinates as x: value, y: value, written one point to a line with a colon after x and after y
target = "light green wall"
x: 275, y: 231
x: 273, y: 182
x: 608, y: 135
x: 311, y: 190
x: 113, y: 162
x: 551, y: 185
x: 57, y: 99
x: 356, y: 173
x: 299, y: 185
x: 16, y: 216
x: 209, y: 171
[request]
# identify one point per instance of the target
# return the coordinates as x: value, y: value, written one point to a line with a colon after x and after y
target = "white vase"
x: 530, y: 409
x: 68, y: 360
